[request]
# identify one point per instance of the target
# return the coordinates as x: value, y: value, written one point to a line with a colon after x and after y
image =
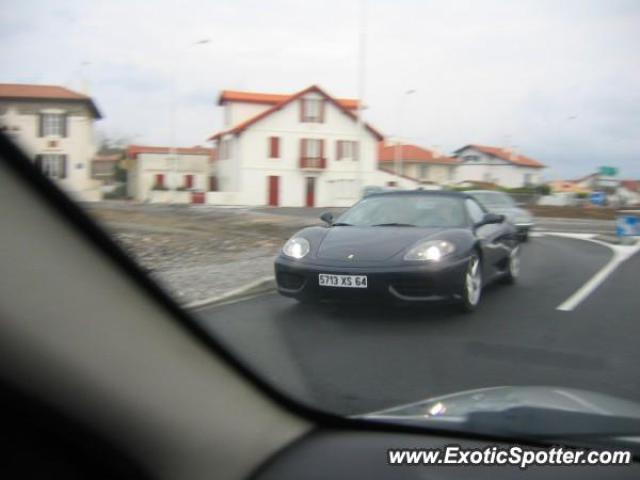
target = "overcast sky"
x: 559, y: 80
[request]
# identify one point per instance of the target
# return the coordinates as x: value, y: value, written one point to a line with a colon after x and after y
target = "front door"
x: 274, y: 187
x: 310, y: 200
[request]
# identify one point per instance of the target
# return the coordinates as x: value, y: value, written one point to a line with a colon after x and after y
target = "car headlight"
x: 296, y: 247
x: 431, y: 250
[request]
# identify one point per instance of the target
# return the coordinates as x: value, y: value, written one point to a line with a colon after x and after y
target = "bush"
x: 119, y: 192
x: 582, y: 195
x: 159, y: 187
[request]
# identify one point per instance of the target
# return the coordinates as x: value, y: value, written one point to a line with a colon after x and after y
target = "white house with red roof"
x: 54, y: 126
x: 302, y: 149
x: 422, y: 164
x: 501, y: 166
x: 170, y: 175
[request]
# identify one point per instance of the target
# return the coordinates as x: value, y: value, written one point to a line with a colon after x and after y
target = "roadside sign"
x: 597, y: 198
x: 628, y: 225
x: 608, y: 171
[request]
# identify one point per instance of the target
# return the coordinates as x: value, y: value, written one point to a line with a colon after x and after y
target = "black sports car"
x: 409, y: 246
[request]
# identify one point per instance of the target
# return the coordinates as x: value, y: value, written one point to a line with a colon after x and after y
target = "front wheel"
x: 513, y: 267
x: 472, y: 288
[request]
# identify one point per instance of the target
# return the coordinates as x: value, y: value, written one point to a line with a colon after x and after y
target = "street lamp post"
x: 397, y: 162
x: 173, y: 151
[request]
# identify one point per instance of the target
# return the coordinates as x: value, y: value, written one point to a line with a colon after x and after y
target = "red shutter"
x: 303, y: 148
x: 339, y: 150
x: 274, y: 147
x: 160, y: 179
x: 321, y: 148
x: 188, y: 181
x: 213, y: 183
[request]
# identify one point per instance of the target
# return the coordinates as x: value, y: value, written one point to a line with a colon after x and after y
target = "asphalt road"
x: 354, y: 358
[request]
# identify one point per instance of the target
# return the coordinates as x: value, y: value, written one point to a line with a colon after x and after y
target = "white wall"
x: 144, y: 169
x: 437, y: 173
x: 238, y: 112
x: 78, y: 145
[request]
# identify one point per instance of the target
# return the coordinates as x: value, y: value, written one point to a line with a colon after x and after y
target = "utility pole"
x: 397, y: 161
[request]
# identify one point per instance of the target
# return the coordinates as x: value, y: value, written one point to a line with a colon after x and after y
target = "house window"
x: 159, y: 180
x: 188, y: 181
x: 312, y: 110
x: 392, y: 184
x: 424, y: 171
x: 274, y: 147
x: 53, y: 166
x: 346, y: 149
x: 213, y: 183
x: 471, y: 158
x: 312, y: 148
x: 53, y: 124
x: 527, y: 179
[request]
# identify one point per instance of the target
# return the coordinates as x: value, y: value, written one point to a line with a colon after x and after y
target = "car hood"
x: 545, y: 413
x: 370, y: 243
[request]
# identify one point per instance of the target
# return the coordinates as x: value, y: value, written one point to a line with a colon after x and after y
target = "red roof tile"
x: 507, y: 155
x: 44, y: 92
x: 632, y: 185
x: 247, y: 123
x: 272, y: 98
x: 134, y: 150
x: 412, y: 153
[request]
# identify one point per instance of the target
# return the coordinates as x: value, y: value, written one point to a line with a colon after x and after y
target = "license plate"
x: 345, y: 281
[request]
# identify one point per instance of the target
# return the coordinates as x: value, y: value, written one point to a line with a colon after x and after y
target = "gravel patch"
x: 197, y: 253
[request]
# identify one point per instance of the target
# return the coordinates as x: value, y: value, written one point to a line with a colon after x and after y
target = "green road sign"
x: 608, y: 171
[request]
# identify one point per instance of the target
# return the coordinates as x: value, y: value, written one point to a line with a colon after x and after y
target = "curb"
x: 258, y: 287
x: 615, y: 240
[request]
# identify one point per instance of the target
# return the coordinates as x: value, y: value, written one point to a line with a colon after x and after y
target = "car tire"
x: 524, y: 236
x: 472, y: 285
x: 513, y: 266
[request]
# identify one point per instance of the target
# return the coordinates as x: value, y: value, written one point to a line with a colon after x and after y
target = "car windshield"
x: 310, y: 181
x: 494, y: 199
x: 407, y: 210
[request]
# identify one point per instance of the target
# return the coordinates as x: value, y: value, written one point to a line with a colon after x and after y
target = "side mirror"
x: 490, y: 218
x: 327, y: 217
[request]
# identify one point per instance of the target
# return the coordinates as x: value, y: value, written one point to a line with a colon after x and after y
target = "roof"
x: 238, y: 129
x: 17, y: 91
x: 412, y: 153
x: 505, y: 154
x: 109, y: 157
x: 632, y: 185
x: 134, y: 150
x: 272, y: 98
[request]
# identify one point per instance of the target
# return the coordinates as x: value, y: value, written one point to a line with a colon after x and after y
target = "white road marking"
x: 620, y: 254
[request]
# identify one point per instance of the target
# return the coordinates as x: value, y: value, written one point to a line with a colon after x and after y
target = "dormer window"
x: 471, y: 158
x: 312, y: 110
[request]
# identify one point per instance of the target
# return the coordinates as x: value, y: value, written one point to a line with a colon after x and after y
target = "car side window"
x: 476, y: 213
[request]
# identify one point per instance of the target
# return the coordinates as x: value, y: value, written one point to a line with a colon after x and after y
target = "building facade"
x: 426, y: 166
x: 501, y: 166
x: 54, y: 126
x: 304, y: 149
x: 163, y: 174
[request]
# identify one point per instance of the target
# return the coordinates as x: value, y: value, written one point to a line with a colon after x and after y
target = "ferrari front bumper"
x: 412, y: 283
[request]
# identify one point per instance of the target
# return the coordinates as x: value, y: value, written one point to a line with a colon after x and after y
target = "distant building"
x: 302, y: 149
x: 418, y: 163
x: 497, y: 165
x: 104, y: 165
x: 567, y: 186
x: 155, y: 174
x: 54, y: 126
